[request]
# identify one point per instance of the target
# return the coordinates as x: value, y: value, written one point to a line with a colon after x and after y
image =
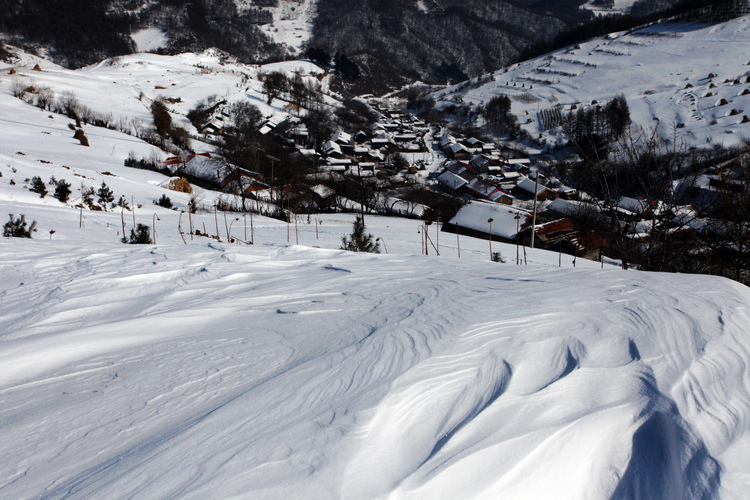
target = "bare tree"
x: 45, y: 96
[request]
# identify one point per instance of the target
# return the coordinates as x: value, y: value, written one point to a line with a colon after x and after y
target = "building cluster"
x: 373, y: 152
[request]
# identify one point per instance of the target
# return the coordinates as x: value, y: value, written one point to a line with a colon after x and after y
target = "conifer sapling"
x: 359, y: 240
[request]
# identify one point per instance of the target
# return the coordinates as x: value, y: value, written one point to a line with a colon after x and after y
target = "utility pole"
x: 533, y: 216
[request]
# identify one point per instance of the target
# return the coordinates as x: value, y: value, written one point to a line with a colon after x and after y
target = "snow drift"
x: 214, y: 370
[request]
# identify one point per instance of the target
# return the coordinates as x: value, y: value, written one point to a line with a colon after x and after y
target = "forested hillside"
x: 381, y: 44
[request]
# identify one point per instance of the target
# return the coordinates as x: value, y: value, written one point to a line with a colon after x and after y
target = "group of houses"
x: 479, y: 171
x: 372, y: 152
x: 499, y: 188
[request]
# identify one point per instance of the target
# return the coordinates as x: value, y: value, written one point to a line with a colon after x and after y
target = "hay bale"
x: 12, y: 71
x: 734, y: 112
x: 745, y: 119
x: 37, y: 68
x: 181, y: 185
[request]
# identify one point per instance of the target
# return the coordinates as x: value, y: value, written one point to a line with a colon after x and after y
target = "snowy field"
x: 214, y: 370
x: 205, y: 369
x: 289, y: 368
x: 662, y: 70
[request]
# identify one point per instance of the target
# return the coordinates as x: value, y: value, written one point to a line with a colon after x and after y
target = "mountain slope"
x: 687, y: 80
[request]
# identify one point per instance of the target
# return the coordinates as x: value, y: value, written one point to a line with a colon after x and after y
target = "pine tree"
x: 16, y: 228
x: 87, y: 196
x: 141, y: 235
x: 38, y: 186
x: 359, y: 240
x: 104, y: 195
x: 62, y: 191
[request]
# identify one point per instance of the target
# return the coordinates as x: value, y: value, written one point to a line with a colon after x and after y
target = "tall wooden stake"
x: 533, y: 216
x: 216, y: 218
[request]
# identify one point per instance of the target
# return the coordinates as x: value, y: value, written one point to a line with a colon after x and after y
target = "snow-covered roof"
x: 405, y: 207
x: 633, y: 205
x: 322, y: 190
x: 205, y: 168
x: 475, y: 214
x: 528, y: 185
x: 331, y: 147
x: 455, y: 148
x: 445, y: 140
x: 570, y: 207
x: 452, y: 180
x: 481, y: 187
x: 341, y: 137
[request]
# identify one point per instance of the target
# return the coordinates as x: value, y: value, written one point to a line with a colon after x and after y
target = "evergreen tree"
x: 141, y: 235
x: 104, y: 195
x: 38, y: 186
x: 359, y: 240
x: 16, y: 228
x: 87, y: 196
x: 164, y: 201
x: 62, y: 190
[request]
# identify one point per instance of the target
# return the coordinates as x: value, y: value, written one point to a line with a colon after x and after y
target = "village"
x: 492, y: 185
x: 403, y: 165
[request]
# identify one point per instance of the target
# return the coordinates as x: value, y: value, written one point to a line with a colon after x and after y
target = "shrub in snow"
x: 164, y: 201
x: 16, y: 228
x: 38, y: 186
x: 141, y: 235
x: 62, y: 191
x: 359, y: 240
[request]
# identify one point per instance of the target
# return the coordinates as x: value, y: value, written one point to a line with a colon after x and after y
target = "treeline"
x: 591, y: 129
x: 79, y: 32
x: 498, y: 116
x: 194, y: 25
x: 641, y: 13
x: 395, y: 42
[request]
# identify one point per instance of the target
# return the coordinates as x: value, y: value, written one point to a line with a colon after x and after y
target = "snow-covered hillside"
x: 196, y: 368
x: 216, y: 370
x: 292, y: 22
x: 686, y: 79
x: 124, y: 87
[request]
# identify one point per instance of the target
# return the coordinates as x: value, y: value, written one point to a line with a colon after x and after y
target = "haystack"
x: 181, y: 185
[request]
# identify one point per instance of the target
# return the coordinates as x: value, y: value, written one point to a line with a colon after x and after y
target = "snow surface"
x: 292, y: 22
x: 204, y: 369
x: 662, y: 70
x: 149, y: 39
